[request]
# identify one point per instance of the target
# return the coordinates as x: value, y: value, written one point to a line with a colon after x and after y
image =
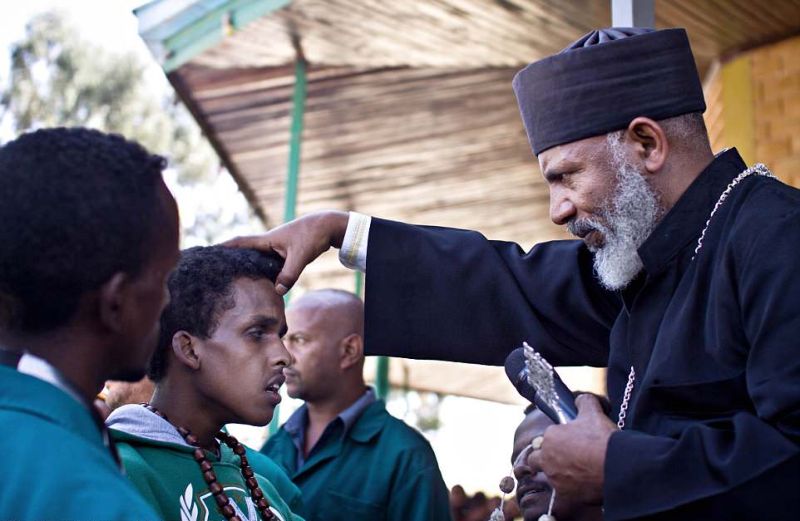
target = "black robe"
x: 713, y: 427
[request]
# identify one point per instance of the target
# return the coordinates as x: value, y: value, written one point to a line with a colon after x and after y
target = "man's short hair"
x: 77, y: 206
x: 687, y: 132
x: 201, y: 290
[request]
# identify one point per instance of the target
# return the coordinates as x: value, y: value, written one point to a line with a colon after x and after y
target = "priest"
x: 684, y: 282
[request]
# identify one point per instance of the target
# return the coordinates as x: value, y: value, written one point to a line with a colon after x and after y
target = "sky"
x: 110, y: 22
x: 473, y: 445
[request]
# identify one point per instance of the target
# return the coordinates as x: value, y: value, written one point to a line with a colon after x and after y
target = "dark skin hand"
x: 299, y: 242
x: 573, y: 455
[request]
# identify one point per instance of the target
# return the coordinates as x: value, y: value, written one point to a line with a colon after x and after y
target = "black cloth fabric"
x: 603, y: 81
x: 714, y: 420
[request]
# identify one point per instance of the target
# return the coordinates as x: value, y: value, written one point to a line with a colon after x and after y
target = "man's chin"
x: 534, y: 504
x: 294, y: 392
x: 617, y: 267
x: 533, y: 514
x: 258, y: 417
x: 595, y: 241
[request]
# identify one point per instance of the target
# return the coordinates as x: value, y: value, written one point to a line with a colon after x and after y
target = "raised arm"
x: 299, y: 242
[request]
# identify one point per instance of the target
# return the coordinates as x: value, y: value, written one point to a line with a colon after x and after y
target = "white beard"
x: 630, y: 217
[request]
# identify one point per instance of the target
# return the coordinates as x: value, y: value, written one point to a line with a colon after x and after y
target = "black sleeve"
x: 448, y: 294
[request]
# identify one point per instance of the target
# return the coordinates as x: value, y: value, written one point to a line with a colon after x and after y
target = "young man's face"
x: 241, y: 364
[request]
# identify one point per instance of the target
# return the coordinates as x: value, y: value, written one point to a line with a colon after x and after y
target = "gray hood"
x: 138, y: 421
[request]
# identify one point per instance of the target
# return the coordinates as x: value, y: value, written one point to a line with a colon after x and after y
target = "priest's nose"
x: 561, y: 209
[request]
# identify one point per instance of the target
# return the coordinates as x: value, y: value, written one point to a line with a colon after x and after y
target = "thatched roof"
x: 410, y: 113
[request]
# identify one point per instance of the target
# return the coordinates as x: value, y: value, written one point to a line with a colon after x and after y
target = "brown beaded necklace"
x: 223, y: 503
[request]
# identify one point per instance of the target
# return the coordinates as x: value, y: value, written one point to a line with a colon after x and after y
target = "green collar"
x: 370, y: 423
x: 29, y: 395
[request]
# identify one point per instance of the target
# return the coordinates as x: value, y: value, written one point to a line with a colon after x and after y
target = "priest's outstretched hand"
x: 299, y: 242
x: 573, y: 455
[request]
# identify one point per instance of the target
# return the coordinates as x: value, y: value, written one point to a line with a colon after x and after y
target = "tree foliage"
x: 57, y: 78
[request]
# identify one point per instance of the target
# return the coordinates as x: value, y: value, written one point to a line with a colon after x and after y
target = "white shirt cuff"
x: 353, y: 253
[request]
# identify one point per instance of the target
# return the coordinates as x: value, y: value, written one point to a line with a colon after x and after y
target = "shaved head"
x: 343, y: 310
x: 325, y: 338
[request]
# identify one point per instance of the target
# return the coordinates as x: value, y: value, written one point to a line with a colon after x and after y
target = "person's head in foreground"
x: 616, y: 122
x: 533, y: 488
x: 325, y: 337
x: 220, y: 356
x: 89, y: 235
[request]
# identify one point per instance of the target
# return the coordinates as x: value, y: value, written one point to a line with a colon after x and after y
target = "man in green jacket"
x: 89, y: 233
x: 350, y: 458
x: 219, y: 360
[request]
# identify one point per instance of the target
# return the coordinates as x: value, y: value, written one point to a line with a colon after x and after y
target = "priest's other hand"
x: 573, y: 455
x: 299, y: 242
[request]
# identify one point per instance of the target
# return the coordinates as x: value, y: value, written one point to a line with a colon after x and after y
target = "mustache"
x: 582, y: 227
x: 528, y: 484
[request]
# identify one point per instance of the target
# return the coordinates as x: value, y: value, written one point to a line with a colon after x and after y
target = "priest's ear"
x: 352, y: 351
x: 184, y: 349
x: 649, y: 142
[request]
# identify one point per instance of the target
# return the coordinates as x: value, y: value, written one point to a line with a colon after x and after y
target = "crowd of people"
x: 682, y: 281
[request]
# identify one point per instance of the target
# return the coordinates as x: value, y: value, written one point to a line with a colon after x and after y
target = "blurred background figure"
x: 458, y: 500
x: 118, y: 393
x: 123, y: 393
x: 478, y: 508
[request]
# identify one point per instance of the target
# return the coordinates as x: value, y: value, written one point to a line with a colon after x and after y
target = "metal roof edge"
x: 176, y: 31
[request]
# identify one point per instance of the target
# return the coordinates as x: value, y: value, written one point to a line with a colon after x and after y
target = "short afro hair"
x: 77, y: 207
x: 201, y: 290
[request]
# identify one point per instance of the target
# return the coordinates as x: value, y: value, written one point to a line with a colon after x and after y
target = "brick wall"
x: 715, y: 120
x: 763, y: 87
x: 776, y: 110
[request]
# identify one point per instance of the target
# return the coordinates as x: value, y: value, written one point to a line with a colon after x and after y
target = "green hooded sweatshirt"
x: 161, y: 466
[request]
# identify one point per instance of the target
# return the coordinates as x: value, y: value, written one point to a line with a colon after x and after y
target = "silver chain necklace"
x: 757, y: 169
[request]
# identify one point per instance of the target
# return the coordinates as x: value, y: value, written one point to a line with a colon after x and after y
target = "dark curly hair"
x: 76, y: 206
x: 201, y: 289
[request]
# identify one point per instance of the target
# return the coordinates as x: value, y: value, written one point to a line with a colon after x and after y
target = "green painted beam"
x: 382, y: 377
x: 189, y: 38
x: 293, y: 173
x: 254, y: 10
x: 359, y: 278
x: 295, y: 139
x: 180, y: 56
